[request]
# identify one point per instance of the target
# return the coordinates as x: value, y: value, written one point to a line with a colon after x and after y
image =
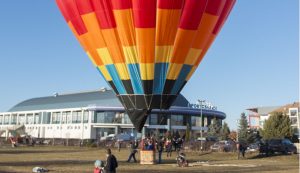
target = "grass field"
x: 81, y: 160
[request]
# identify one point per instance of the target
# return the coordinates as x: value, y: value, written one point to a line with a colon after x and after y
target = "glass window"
x: 293, y: 112
x: 56, y: 117
x: 293, y: 120
x: 1, y: 119
x: 21, y: 119
x: 126, y: 119
x: 104, y: 132
x: 196, y: 121
x: 153, y: 119
x: 69, y: 117
x: 76, y: 117
x: 13, y: 119
x: 64, y: 118
x: 108, y: 117
x: 37, y: 118
x: 30, y: 119
x: 86, y: 116
x: 46, y: 117
x: 118, y: 118
x: 177, y: 120
x: 6, y: 119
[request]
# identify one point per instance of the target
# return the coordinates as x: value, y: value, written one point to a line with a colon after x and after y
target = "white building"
x: 93, y: 114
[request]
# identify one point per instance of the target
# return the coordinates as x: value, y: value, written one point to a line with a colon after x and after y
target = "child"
x: 98, y: 166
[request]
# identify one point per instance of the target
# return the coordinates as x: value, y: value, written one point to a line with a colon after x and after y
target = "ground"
x: 81, y: 160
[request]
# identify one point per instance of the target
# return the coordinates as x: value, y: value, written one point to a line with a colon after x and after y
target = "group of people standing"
x: 160, y: 145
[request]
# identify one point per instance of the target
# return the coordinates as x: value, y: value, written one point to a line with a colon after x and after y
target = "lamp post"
x: 201, y: 124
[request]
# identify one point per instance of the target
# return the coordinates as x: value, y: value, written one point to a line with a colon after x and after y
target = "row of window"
x: 66, y: 117
x: 177, y: 120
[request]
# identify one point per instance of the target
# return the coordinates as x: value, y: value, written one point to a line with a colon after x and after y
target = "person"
x: 150, y: 145
x: 238, y: 149
x: 119, y: 145
x: 242, y: 149
x: 111, y: 162
x: 168, y: 147
x: 160, y: 148
x: 98, y: 166
x: 133, y: 150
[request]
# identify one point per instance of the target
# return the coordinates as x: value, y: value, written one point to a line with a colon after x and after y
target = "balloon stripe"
x: 181, y: 78
x: 121, y: 4
x: 215, y: 7
x: 104, y: 14
x: 144, y: 12
x: 170, y: 4
x: 116, y: 79
x: 192, y: 13
x: 160, y: 77
x: 135, y: 78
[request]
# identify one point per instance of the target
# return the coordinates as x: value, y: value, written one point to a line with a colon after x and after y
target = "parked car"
x: 110, y: 137
x: 272, y: 146
x: 223, y: 146
x: 253, y: 147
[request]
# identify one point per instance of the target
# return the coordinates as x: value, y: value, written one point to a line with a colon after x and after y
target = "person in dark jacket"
x: 160, y: 148
x: 111, y: 162
x: 133, y: 150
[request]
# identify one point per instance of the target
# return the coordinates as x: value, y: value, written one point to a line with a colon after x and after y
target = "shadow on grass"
x: 45, y: 163
x: 260, y: 156
x: 37, y: 151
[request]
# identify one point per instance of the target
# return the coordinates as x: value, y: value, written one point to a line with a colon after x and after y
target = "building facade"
x: 94, y: 114
x: 257, y: 116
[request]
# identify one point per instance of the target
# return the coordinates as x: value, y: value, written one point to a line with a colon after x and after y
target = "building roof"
x: 286, y: 108
x: 265, y: 110
x: 103, y: 97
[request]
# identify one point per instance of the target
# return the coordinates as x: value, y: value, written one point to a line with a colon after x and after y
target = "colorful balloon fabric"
x: 146, y: 50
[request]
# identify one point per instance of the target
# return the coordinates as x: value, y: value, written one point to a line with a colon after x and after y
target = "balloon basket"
x: 147, y: 157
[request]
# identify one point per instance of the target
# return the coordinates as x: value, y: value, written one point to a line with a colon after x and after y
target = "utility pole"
x: 201, y: 124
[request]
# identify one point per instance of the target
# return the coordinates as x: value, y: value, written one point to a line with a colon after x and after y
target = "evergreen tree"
x: 277, y: 126
x: 243, y: 128
x: 214, y: 128
x: 225, y: 131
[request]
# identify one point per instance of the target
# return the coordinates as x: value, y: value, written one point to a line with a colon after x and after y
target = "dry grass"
x: 80, y: 160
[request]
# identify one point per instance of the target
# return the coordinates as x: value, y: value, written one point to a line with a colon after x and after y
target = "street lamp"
x: 201, y: 124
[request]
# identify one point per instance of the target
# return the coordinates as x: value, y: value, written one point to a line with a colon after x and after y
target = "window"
x: 37, y: 118
x: 64, y: 118
x: 196, y: 121
x: 85, y: 116
x: 21, y: 119
x: 69, y: 117
x: 293, y: 120
x: 109, y: 117
x: 76, y: 117
x: 1, y: 119
x: 6, y: 119
x: 56, y: 117
x: 126, y: 119
x: 293, y: 112
x: 153, y: 119
x: 30, y: 119
x: 13, y: 119
x: 177, y: 120
x: 46, y: 117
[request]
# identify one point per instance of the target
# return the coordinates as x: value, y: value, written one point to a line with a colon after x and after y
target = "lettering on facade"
x: 204, y: 105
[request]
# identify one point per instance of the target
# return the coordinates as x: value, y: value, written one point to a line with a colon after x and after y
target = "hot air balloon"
x: 146, y: 50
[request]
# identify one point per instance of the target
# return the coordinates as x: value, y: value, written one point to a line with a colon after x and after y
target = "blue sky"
x: 253, y: 62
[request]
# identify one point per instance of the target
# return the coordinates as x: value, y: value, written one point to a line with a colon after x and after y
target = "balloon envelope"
x: 146, y: 50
